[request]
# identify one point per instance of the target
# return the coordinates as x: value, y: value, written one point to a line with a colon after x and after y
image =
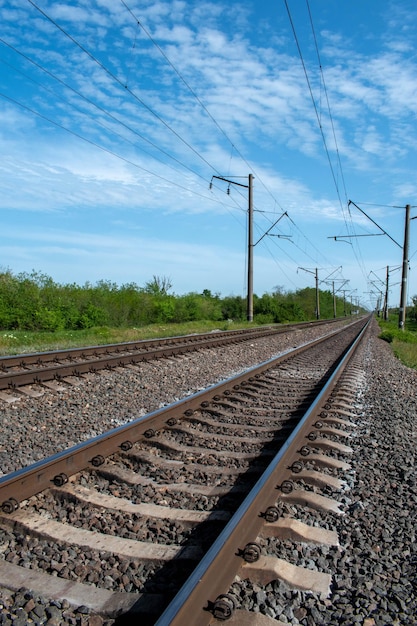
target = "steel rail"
x: 215, y: 573
x: 22, y: 484
x: 109, y: 356
x: 37, y: 358
x: 34, y: 358
x: 59, y: 371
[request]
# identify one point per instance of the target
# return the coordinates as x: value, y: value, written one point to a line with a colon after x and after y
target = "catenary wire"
x: 120, y: 83
x: 192, y: 91
x: 358, y: 257
x: 114, y: 77
x: 112, y: 117
x: 107, y: 113
x: 352, y: 227
x: 93, y: 143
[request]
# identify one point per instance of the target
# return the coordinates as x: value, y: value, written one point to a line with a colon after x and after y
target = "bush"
x: 387, y: 335
x: 50, y: 320
x: 262, y: 318
x: 403, y: 336
x: 34, y: 302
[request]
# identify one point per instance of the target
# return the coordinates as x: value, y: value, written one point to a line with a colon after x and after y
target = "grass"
x: 403, y: 342
x: 24, y: 342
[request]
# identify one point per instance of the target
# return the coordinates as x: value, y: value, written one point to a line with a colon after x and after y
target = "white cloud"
x: 245, y: 70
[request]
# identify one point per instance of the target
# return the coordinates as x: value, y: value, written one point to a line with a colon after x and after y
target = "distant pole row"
x: 404, y: 280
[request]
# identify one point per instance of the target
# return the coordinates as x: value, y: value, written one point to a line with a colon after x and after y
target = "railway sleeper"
x: 101, y: 601
x: 129, y: 477
x: 201, y: 419
x: 127, y: 548
x: 293, y: 529
x: 97, y: 499
x: 167, y: 444
x: 144, y: 455
x: 189, y: 429
x: 269, y: 568
x: 323, y: 460
x: 312, y: 500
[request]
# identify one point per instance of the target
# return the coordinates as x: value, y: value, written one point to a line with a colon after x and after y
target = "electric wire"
x: 328, y: 105
x: 93, y: 143
x: 108, y: 151
x: 357, y: 254
x: 124, y: 86
x: 117, y: 80
x: 148, y: 108
x: 180, y: 76
x: 280, y: 265
x: 192, y: 91
x: 195, y: 95
x: 108, y: 114
x: 311, y: 96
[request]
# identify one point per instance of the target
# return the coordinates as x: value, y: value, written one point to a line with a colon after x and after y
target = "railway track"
x: 50, y: 368
x: 153, y: 520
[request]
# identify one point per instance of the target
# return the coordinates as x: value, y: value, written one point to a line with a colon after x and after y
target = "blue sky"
x: 116, y: 114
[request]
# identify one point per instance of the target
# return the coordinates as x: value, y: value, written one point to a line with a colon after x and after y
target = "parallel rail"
x: 28, y: 369
x: 203, y: 597
x: 204, y: 593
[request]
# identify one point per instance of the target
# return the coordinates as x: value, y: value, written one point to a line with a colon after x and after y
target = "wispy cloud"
x: 95, y: 121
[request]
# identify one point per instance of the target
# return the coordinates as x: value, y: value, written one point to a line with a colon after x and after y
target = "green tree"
x: 158, y: 286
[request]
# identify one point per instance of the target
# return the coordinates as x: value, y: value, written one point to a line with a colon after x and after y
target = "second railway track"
x: 120, y: 523
x: 41, y: 368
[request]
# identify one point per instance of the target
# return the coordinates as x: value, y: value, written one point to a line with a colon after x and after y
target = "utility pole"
x: 344, y: 302
x: 386, y: 289
x: 343, y: 281
x: 351, y: 300
x: 386, y: 296
x: 403, y: 297
x: 317, y: 295
x: 250, y: 249
x: 249, y: 187
x: 403, y: 301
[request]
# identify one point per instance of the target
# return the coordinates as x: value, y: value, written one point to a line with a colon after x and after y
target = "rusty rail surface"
x: 204, y: 598
x: 204, y: 595
x: 26, y: 482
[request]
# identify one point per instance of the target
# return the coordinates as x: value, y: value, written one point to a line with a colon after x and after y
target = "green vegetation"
x: 38, y: 314
x: 20, y: 342
x: 403, y: 342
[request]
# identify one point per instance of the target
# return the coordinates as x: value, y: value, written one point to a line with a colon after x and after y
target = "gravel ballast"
x: 36, y: 427
x: 374, y: 570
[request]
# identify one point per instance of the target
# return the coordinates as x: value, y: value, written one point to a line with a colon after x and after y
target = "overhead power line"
x: 97, y: 106
x: 158, y: 117
x: 312, y: 97
x: 348, y: 222
x: 123, y: 85
x: 93, y: 143
x: 206, y: 110
x: 195, y: 95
